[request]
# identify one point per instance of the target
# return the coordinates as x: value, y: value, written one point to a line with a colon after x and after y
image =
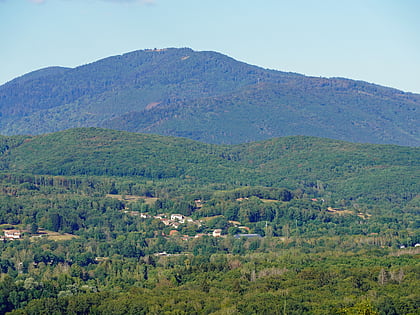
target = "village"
x: 174, y: 224
x: 175, y: 221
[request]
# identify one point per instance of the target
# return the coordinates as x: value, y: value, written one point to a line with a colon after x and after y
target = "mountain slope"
x: 274, y: 109
x: 358, y: 172
x: 206, y: 96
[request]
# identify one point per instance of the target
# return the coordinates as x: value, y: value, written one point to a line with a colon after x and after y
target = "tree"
x: 382, y: 277
x: 34, y: 228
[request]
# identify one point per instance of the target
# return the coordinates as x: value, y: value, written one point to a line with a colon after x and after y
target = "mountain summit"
x: 205, y: 96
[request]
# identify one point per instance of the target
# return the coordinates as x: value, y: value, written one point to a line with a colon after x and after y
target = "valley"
x: 144, y: 224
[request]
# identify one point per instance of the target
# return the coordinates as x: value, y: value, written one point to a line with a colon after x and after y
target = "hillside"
x: 205, y: 96
x: 372, y: 174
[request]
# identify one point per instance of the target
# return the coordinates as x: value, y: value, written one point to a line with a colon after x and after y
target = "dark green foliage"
x: 205, y: 96
x: 290, y: 282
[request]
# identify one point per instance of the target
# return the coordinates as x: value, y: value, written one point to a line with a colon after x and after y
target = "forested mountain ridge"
x: 351, y: 171
x: 205, y: 96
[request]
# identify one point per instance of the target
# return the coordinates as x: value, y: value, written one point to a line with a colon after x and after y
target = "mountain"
x: 205, y: 96
x: 366, y: 173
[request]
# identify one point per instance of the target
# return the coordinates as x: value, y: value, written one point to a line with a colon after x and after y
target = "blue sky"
x: 372, y: 40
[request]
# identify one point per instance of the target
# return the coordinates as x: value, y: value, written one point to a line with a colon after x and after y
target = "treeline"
x: 290, y: 280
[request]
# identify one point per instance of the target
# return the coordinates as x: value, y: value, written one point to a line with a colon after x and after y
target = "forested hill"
x: 99, y: 221
x: 205, y: 96
x: 320, y: 167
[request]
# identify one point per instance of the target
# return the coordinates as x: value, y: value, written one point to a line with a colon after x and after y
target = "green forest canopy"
x: 332, y: 216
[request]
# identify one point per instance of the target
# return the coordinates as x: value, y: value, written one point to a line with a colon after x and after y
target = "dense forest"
x: 110, y: 222
x: 205, y: 96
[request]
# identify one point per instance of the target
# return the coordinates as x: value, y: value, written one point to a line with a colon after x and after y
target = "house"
x: 217, y: 233
x: 173, y: 232
x: 12, y: 234
x: 178, y: 217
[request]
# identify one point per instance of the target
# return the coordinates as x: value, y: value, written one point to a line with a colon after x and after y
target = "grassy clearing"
x: 60, y: 237
x: 269, y: 200
x: 55, y: 236
x: 211, y: 218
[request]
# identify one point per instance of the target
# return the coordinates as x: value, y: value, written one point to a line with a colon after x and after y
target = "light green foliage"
x: 332, y: 216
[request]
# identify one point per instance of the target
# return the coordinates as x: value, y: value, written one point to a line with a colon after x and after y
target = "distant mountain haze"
x: 205, y: 96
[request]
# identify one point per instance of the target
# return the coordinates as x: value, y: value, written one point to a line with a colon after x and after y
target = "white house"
x: 178, y: 217
x: 12, y: 234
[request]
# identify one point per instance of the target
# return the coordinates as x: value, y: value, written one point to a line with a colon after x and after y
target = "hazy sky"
x: 372, y: 40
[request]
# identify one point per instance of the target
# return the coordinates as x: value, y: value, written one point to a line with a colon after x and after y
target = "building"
x: 12, y: 234
x: 173, y: 232
x: 178, y: 217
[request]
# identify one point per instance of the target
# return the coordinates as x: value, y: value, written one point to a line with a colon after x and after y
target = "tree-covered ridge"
x: 323, y: 167
x: 205, y: 96
x: 105, y: 152
x: 266, y: 110
x: 116, y: 85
